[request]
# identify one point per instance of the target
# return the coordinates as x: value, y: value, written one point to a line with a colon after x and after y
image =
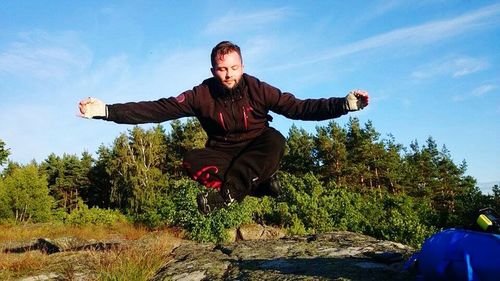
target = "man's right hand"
x: 92, y: 108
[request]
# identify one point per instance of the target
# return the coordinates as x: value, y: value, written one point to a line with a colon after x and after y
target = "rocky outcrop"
x: 255, y: 232
x: 331, y: 256
x: 52, y: 246
x: 256, y: 253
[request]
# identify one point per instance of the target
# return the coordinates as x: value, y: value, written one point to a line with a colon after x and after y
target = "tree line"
x: 340, y: 177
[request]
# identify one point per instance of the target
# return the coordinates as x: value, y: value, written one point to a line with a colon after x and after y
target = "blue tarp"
x: 456, y: 254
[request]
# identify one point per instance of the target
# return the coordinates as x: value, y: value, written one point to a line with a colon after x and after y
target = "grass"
x: 54, y: 230
x: 139, y: 256
x: 16, y: 265
x: 133, y: 263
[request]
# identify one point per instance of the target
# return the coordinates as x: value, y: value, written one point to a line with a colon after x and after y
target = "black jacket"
x: 228, y: 116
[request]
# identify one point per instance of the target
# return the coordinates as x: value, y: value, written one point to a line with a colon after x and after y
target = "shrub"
x: 306, y: 206
x: 94, y: 216
x: 397, y: 218
x: 310, y: 206
x: 211, y: 228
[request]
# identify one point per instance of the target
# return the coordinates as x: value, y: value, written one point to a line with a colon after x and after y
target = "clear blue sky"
x: 432, y: 67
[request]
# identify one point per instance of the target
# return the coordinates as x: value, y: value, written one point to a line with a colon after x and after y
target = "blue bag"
x: 456, y: 254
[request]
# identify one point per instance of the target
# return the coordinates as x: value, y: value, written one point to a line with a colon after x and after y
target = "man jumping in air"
x: 242, y: 153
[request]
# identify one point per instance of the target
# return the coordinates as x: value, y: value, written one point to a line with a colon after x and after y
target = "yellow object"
x: 484, y: 222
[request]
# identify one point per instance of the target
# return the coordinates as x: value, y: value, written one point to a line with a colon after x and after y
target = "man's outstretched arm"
x: 141, y: 112
x: 317, y: 109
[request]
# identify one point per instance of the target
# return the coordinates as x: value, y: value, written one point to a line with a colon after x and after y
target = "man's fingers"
x: 82, y: 105
x: 362, y: 97
x: 91, y: 108
x: 360, y: 93
x: 87, y: 101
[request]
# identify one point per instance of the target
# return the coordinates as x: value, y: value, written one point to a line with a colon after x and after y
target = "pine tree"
x: 68, y: 178
x: 392, y: 165
x: 356, y: 170
x: 364, y: 153
x: 99, y: 192
x: 372, y: 153
x: 298, y: 158
x: 331, y: 152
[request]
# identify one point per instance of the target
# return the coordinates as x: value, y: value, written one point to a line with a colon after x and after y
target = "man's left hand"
x: 356, y: 100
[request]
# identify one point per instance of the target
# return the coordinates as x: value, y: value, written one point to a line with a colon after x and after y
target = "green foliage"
x: 67, y: 178
x: 307, y: 206
x: 298, y: 158
x: 361, y: 182
x: 98, y: 191
x: 331, y: 152
x: 207, y: 228
x: 25, y: 193
x: 495, y: 198
x: 5, y: 210
x: 397, y: 218
x: 84, y: 215
x: 134, y: 169
x: 4, y: 153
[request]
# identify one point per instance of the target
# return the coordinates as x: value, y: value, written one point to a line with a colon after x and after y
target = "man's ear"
x: 212, y: 70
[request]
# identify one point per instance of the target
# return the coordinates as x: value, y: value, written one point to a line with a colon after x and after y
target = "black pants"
x: 245, y: 165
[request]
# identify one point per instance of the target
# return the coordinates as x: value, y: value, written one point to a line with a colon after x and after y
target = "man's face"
x: 228, y: 69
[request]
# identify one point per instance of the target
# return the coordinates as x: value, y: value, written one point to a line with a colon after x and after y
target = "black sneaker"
x: 211, y: 201
x: 271, y: 187
x: 274, y: 186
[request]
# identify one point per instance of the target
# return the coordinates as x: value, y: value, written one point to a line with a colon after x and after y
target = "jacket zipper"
x: 232, y: 112
x: 221, y: 120
x: 245, y: 118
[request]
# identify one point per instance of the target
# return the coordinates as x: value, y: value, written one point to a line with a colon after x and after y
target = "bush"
x: 94, y: 216
x: 397, y: 218
x: 306, y: 206
x: 310, y: 206
x: 211, y: 228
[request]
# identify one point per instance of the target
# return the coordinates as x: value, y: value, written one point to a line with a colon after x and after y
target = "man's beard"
x: 233, y: 85
x: 235, y: 89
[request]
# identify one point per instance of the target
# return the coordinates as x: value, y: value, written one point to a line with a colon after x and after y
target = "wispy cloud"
x: 454, y: 67
x: 483, y: 90
x: 43, y: 56
x: 466, y: 66
x: 380, y: 9
x: 410, y: 36
x: 234, y: 22
x: 477, y: 92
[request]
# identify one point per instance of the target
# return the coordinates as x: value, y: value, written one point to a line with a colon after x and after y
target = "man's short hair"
x: 222, y: 49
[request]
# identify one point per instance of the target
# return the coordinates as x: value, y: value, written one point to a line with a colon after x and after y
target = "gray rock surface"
x: 52, y: 246
x: 331, y: 256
